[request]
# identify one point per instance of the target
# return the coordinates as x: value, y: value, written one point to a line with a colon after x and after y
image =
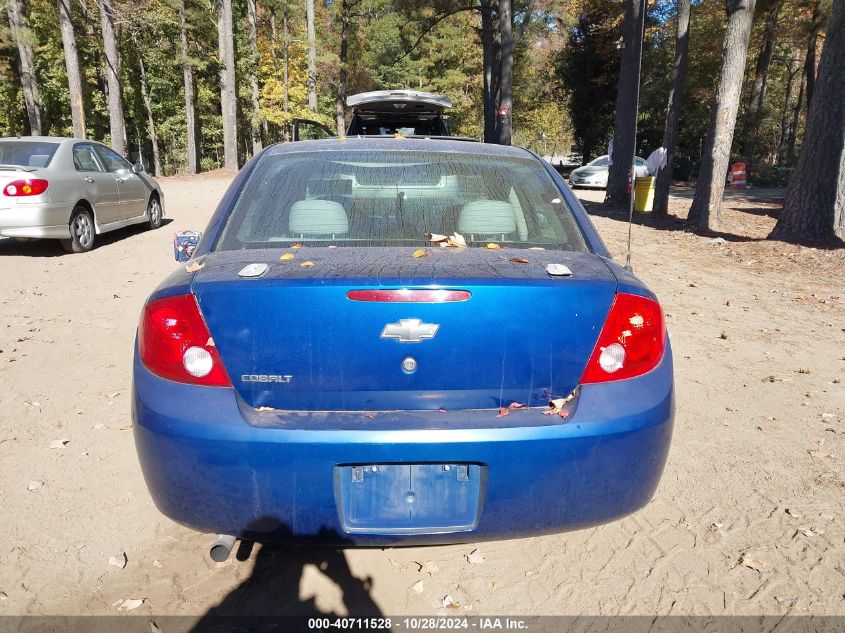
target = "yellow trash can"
x: 644, y: 193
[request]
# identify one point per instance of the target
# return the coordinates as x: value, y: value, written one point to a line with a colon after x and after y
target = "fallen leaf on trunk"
x: 556, y: 406
x: 493, y: 246
x: 306, y: 264
x: 503, y: 412
x: 456, y: 240
x: 516, y: 405
x: 422, y: 252
x: 287, y: 257
x: 519, y: 260
x: 296, y: 246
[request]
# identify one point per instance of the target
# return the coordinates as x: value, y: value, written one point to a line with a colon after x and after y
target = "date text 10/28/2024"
x: 418, y: 624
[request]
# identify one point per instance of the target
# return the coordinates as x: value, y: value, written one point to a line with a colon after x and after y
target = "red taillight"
x: 631, y: 342
x: 406, y: 295
x: 28, y: 187
x: 174, y: 343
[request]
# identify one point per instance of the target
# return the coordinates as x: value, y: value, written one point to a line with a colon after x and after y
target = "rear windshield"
x: 27, y: 153
x: 396, y: 198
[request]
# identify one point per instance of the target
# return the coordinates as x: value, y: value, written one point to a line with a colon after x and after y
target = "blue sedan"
x: 392, y: 341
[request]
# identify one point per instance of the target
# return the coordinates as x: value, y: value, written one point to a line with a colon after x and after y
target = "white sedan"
x: 594, y: 174
x: 71, y: 189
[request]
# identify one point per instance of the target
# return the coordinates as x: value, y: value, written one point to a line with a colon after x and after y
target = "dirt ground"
x: 748, y: 518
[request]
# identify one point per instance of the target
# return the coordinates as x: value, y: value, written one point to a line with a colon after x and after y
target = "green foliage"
x: 565, y: 72
x: 589, y: 69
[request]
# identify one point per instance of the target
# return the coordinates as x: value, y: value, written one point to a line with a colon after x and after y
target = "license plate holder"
x: 409, y: 498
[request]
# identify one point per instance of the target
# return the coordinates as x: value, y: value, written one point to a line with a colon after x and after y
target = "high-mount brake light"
x: 174, y: 343
x: 27, y: 187
x: 631, y: 342
x: 408, y: 295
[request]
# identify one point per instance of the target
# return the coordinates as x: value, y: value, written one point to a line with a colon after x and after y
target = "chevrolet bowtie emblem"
x: 409, y: 330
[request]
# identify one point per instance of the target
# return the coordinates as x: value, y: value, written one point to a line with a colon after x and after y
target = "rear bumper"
x: 207, y: 468
x: 43, y: 219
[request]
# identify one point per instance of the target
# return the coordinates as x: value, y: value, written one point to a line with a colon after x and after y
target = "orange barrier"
x: 737, y: 175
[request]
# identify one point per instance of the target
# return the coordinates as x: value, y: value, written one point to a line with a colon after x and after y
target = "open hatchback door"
x: 405, y: 112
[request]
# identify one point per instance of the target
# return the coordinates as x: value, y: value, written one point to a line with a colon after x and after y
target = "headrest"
x: 487, y: 217
x: 318, y: 217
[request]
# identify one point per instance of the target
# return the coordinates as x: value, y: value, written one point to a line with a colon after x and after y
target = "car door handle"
x: 87, y: 179
x: 119, y: 179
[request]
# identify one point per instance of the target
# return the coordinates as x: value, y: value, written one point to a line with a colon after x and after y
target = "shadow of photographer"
x: 270, y: 595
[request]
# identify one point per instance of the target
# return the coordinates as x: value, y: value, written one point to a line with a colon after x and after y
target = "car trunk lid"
x: 293, y: 338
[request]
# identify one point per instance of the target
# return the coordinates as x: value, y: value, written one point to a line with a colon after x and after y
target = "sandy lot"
x: 747, y: 520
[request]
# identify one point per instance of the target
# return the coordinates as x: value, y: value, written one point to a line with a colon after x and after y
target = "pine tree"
x: 814, y: 206
x: 707, y: 203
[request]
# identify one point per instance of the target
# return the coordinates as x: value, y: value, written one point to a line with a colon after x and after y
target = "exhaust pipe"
x: 221, y: 547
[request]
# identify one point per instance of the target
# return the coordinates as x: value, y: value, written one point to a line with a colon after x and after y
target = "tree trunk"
x: 312, y: 56
x: 627, y: 99
x: 796, y: 120
x: 810, y: 60
x: 77, y: 110
x: 188, y: 77
x: 286, y: 71
x: 252, y: 18
x: 151, y: 126
x: 21, y: 35
x: 707, y: 204
x: 758, y: 88
x: 814, y: 207
x: 343, y: 70
x: 504, y: 110
x: 490, y: 59
x: 228, y: 88
x: 784, y: 116
x: 117, y: 124
x: 673, y: 114
x: 273, y: 44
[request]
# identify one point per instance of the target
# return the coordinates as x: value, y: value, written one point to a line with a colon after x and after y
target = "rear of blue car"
x: 400, y: 342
